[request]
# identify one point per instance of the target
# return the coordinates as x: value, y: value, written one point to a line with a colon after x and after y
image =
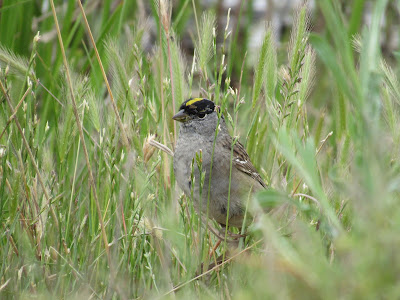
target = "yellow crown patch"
x: 193, y: 101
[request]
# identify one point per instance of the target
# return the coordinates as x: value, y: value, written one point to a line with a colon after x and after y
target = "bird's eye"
x: 201, y: 116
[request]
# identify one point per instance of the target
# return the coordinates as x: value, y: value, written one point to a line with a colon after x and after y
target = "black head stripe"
x: 198, y: 106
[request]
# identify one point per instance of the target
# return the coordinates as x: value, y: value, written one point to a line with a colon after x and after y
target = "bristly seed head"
x: 165, y: 14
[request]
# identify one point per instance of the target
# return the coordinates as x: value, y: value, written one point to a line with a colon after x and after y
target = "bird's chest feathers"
x: 195, y: 147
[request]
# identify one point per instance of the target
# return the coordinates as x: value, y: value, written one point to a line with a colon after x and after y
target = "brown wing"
x: 241, y: 160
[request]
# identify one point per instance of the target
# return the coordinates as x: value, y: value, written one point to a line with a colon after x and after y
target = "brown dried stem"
x: 79, y: 124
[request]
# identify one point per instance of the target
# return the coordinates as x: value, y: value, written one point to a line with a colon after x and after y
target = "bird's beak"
x: 181, y: 116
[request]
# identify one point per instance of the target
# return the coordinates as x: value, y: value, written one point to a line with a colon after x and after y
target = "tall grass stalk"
x: 78, y: 122
x: 124, y: 137
x: 85, y: 215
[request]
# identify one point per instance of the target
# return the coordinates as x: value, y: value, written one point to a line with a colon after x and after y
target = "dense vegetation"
x: 89, y: 207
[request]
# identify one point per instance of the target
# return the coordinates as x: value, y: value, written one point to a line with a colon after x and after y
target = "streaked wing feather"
x: 241, y: 160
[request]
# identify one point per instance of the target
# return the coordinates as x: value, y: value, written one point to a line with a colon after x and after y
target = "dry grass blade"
x: 121, y: 126
x: 213, y: 269
x: 3, y: 286
x: 79, y: 124
x: 53, y: 214
x: 15, y: 111
x: 161, y: 147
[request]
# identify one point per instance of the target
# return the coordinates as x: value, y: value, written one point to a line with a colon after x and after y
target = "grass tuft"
x: 89, y: 207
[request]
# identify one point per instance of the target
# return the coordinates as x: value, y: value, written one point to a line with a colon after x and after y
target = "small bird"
x: 199, y: 121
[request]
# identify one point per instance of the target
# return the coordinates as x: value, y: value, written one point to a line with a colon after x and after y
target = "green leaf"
x: 272, y: 198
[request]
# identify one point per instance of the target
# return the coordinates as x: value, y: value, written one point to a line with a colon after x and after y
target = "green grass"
x: 90, y: 209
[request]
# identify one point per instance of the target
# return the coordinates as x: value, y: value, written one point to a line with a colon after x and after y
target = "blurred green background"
x: 89, y: 207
